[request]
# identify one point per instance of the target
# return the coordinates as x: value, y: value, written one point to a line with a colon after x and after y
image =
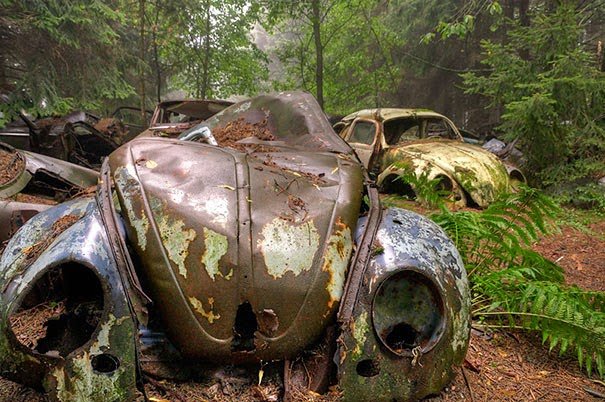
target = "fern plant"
x: 515, y: 287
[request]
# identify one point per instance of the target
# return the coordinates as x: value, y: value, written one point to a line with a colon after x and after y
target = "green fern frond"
x: 516, y: 287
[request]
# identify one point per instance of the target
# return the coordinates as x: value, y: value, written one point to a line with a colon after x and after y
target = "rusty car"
x: 31, y: 183
x: 403, y: 146
x: 78, y: 137
x: 253, y: 236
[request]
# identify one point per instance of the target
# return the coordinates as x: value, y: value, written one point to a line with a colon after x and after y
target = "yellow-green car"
x: 394, y: 143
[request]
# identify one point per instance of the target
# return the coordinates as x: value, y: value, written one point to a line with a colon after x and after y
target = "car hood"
x: 481, y: 174
x: 216, y: 229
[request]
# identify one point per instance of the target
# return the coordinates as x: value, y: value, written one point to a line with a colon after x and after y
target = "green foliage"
x: 586, y: 196
x: 57, y: 55
x: 515, y: 287
x: 208, y: 49
x: 552, y: 93
x: 429, y: 192
x: 357, y: 43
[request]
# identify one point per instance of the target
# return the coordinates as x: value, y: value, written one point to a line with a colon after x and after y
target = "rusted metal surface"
x: 216, y: 228
x: 100, y: 368
x: 416, y: 349
x: 429, y: 146
x: 40, y: 181
x: 250, y: 243
x: 75, y: 137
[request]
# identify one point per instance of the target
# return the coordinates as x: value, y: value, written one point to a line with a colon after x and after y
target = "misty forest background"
x: 520, y: 69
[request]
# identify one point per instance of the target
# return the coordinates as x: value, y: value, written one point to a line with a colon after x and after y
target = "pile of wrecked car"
x: 249, y: 234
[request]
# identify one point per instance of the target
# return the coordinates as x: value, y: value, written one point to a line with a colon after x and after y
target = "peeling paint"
x: 360, y: 334
x: 84, y: 385
x: 175, y: 239
x: 336, y: 261
x: 215, y: 248
x: 288, y: 248
x: 128, y: 185
x: 151, y: 164
x: 199, y: 307
x: 218, y: 208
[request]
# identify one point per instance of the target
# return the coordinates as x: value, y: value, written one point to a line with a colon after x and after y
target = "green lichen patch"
x: 360, y: 334
x: 128, y: 185
x: 288, y: 248
x: 198, y: 306
x: 215, y: 248
x: 175, y: 237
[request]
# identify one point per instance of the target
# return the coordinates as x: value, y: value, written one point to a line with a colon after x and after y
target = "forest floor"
x: 499, y: 366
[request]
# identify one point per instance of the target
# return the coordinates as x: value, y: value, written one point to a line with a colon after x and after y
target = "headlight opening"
x: 408, y: 312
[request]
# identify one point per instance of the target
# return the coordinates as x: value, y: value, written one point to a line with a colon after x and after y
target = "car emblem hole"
x: 245, y: 326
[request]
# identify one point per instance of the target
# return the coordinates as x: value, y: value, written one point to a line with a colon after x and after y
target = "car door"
x: 363, y: 138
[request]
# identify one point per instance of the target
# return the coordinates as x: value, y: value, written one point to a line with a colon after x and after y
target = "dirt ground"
x: 500, y: 366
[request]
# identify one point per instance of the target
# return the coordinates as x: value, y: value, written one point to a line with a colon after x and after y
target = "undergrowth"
x: 515, y: 287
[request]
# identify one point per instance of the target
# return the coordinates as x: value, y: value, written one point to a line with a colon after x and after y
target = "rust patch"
x: 34, y: 199
x: 336, y: 261
x: 268, y: 323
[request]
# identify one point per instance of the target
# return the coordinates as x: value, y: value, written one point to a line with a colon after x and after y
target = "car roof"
x: 390, y: 113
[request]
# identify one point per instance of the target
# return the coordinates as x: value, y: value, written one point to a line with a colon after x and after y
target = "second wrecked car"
x: 405, y: 146
x: 251, y: 242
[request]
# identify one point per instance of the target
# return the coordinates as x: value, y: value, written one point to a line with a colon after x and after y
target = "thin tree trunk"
x: 206, y: 64
x: 142, y: 58
x: 156, y: 58
x: 319, y: 58
x: 524, y: 12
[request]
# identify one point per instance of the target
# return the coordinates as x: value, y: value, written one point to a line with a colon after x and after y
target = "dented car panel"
x: 395, y: 143
x: 68, y: 243
x: 205, y: 244
x: 415, y: 268
x: 259, y: 248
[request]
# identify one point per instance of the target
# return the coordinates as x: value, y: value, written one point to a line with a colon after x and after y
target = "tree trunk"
x: 142, y: 58
x: 523, y: 12
x: 156, y: 57
x: 206, y: 63
x: 319, y: 58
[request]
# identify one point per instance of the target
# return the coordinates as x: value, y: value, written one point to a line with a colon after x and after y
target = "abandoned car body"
x: 171, y: 118
x: 30, y: 183
x: 260, y: 248
x: 78, y: 137
x: 395, y: 144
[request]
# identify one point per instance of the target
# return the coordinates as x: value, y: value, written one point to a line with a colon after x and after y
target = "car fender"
x: 63, y: 243
x: 408, y: 248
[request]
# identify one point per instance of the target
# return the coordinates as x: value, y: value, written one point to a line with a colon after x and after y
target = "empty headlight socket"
x: 408, y: 312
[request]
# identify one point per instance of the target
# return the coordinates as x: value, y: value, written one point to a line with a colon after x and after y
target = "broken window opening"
x: 46, y: 184
x: 243, y: 330
x: 61, y: 311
